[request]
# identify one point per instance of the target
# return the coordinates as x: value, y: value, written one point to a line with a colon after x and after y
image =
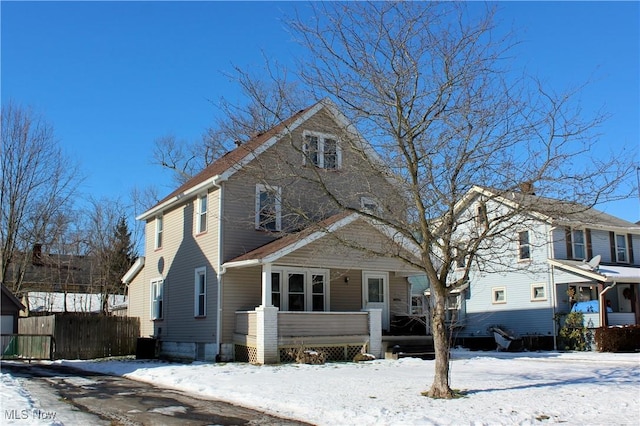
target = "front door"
x: 375, y: 293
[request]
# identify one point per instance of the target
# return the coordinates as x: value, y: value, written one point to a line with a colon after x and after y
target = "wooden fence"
x: 27, y: 346
x: 82, y: 336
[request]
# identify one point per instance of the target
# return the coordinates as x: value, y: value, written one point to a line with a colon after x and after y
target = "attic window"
x: 321, y: 150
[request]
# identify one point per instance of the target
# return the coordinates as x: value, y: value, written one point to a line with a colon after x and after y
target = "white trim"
x: 158, y: 232
x: 260, y: 189
x: 533, y: 292
x: 199, y: 213
x: 133, y: 270
x: 293, y: 247
x: 626, y: 247
x: 214, y: 181
x: 385, y: 288
x: 308, y: 274
x: 322, y: 138
x: 153, y: 310
x: 199, y: 272
x: 494, y: 291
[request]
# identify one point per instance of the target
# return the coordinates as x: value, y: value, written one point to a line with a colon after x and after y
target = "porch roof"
x: 275, y: 250
x: 603, y: 273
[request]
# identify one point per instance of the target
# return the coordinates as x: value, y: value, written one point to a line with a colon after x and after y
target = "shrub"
x: 618, y: 339
x: 574, y: 336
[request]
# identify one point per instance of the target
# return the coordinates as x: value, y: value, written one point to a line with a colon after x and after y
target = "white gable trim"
x: 294, y: 246
x: 133, y: 271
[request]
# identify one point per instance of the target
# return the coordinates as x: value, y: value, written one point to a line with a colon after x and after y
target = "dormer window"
x: 322, y: 150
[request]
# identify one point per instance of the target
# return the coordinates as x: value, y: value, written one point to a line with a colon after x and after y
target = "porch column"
x: 266, y: 284
x: 375, y: 332
x: 267, y: 334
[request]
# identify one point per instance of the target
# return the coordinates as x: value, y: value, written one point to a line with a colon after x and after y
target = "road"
x: 117, y: 401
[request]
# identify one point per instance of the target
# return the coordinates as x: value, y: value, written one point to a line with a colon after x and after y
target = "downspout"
x: 218, y: 184
x: 552, y: 286
x: 603, y: 305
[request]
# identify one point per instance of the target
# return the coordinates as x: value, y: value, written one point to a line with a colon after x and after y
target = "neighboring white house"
x: 556, y: 255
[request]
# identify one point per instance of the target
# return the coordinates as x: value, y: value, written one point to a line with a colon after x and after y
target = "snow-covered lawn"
x: 501, y: 388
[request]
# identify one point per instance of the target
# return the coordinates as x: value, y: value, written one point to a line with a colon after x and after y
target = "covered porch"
x: 607, y: 295
x: 309, y: 292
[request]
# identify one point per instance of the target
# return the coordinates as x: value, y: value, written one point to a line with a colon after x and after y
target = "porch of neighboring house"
x: 606, y: 295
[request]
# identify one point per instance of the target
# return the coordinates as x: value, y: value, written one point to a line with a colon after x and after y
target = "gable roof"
x: 224, y: 167
x: 287, y: 244
x: 555, y: 211
x: 12, y: 298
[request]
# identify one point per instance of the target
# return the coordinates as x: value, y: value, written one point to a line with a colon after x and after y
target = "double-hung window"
x: 157, y: 296
x: 621, y: 249
x: 200, y: 292
x: 322, y: 151
x: 159, y: 229
x: 268, y: 208
x: 578, y: 244
x: 201, y: 214
x: 524, y: 246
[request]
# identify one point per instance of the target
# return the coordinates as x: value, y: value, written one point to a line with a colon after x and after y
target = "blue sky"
x: 111, y: 77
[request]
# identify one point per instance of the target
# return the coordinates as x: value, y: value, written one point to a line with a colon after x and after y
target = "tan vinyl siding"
x: 281, y: 166
x: 330, y: 252
x: 241, y: 291
x: 181, y: 253
x: 138, y: 304
x: 301, y: 324
x: 399, y: 289
x: 345, y: 296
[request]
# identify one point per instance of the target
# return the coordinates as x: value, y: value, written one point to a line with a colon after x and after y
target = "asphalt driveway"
x: 113, y: 400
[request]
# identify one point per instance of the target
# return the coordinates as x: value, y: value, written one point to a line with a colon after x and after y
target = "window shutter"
x: 630, y: 248
x: 612, y: 245
x: 588, y: 241
x: 567, y: 237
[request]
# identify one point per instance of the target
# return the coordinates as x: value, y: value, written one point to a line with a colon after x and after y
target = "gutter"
x: 218, y: 184
x: 214, y: 181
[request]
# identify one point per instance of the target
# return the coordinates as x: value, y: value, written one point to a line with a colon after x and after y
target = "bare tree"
x: 38, y: 185
x: 431, y: 89
x: 110, y: 243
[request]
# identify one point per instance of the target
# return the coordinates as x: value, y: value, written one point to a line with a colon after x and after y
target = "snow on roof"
x: 604, y: 273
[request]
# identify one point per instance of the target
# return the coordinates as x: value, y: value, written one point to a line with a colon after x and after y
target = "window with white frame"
x: 498, y: 295
x: 538, y: 292
x: 481, y: 215
x: 524, y: 245
x: 621, y: 248
x: 276, y: 293
x: 268, y: 208
x: 159, y: 230
x: 322, y: 151
x: 461, y: 258
x: 201, y: 214
x: 157, y: 296
x: 294, y: 289
x: 200, y: 292
x: 578, y: 245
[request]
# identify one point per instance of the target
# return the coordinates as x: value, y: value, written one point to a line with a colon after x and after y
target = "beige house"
x: 250, y: 259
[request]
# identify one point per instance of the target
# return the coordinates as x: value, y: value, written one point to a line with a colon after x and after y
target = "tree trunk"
x: 440, y: 386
